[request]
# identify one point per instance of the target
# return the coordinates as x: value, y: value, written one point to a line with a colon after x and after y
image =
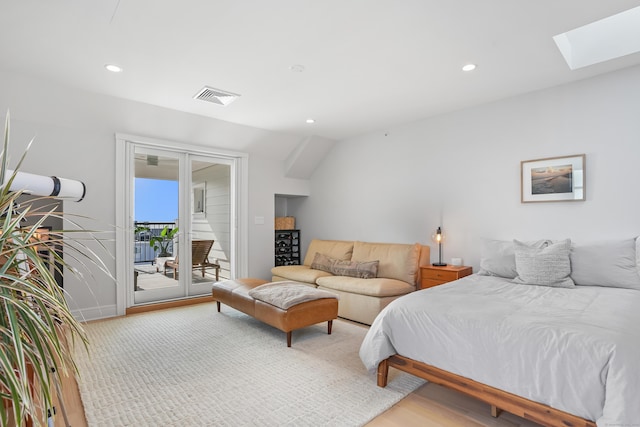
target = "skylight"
x: 603, y: 40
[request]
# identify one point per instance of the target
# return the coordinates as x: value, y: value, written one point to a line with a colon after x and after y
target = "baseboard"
x: 103, y: 312
x: 168, y: 304
x: 95, y: 313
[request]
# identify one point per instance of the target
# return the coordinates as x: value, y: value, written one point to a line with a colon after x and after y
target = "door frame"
x: 124, y: 206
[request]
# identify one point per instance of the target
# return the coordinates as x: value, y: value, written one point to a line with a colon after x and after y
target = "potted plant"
x: 36, y: 324
x: 139, y: 230
x: 162, y: 241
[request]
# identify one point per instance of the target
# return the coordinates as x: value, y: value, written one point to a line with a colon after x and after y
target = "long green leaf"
x: 35, y: 318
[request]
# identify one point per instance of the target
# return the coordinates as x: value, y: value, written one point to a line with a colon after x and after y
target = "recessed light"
x: 310, y: 121
x: 113, y: 68
x: 469, y: 67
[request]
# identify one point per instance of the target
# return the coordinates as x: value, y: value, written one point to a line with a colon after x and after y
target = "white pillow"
x: 498, y: 257
x: 549, y: 266
x: 638, y: 254
x: 612, y: 264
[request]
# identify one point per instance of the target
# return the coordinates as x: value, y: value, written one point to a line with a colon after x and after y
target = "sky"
x: 156, y: 200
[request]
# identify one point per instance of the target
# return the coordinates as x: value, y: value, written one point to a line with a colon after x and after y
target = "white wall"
x: 75, y: 138
x: 265, y: 177
x: 462, y: 171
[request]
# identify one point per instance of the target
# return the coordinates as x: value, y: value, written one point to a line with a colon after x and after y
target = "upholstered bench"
x: 284, y: 305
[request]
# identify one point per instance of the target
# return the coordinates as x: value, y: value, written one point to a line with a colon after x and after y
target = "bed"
x: 558, y: 356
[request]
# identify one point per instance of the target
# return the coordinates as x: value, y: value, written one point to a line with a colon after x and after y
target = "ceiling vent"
x: 216, y: 96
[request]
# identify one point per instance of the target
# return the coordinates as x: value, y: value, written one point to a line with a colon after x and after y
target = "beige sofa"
x: 361, y: 299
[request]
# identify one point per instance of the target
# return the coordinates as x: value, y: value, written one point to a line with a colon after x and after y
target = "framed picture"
x: 555, y: 179
x: 199, y: 198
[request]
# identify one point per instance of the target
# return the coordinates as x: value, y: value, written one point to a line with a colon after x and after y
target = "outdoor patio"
x: 149, y: 278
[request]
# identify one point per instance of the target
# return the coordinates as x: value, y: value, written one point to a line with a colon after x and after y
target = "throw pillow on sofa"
x: 362, y: 270
x: 322, y: 262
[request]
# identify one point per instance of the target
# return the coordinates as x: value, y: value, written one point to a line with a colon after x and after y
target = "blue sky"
x: 156, y: 200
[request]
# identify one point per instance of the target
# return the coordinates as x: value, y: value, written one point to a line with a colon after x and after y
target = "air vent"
x: 216, y: 96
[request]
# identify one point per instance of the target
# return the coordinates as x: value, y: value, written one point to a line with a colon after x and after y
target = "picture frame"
x: 553, y: 179
x: 199, y: 198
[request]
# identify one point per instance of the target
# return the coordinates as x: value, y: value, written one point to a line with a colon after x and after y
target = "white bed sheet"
x: 577, y: 350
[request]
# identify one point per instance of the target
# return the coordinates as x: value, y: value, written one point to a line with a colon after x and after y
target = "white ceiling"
x: 369, y: 64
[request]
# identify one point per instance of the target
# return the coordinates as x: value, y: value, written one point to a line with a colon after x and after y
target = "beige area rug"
x: 193, y: 366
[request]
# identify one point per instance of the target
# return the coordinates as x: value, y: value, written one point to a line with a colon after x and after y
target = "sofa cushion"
x: 396, y: 261
x: 337, y: 249
x: 299, y: 273
x: 378, y: 287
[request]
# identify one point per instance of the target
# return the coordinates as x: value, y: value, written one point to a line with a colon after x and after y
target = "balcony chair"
x: 199, y: 259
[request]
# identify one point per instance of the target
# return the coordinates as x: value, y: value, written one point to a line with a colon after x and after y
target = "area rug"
x: 193, y: 366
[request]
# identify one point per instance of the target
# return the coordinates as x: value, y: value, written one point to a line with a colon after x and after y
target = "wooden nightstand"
x: 431, y: 275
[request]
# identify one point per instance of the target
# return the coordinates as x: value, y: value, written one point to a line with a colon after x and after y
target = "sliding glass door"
x: 210, y: 222
x: 182, y: 211
x: 157, y: 234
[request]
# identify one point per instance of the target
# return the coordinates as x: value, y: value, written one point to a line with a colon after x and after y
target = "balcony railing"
x: 143, y: 252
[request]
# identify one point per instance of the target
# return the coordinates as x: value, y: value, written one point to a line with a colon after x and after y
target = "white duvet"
x: 577, y: 350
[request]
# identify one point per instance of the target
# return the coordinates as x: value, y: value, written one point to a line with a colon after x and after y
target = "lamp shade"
x: 438, y: 235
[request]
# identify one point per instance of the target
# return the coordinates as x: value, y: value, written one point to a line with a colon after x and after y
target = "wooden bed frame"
x: 498, y: 399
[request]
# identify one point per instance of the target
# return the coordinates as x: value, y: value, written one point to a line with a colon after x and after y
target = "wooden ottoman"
x: 284, y: 305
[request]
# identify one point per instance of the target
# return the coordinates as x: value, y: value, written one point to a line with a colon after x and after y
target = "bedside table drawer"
x: 437, y: 275
x: 428, y: 283
x: 440, y: 275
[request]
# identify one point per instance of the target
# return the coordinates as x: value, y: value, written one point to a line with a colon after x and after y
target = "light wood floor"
x: 72, y: 405
x: 434, y: 406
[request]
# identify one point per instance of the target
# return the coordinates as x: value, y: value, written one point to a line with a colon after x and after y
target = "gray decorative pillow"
x: 322, y: 262
x: 549, y: 266
x: 363, y: 270
x: 498, y: 257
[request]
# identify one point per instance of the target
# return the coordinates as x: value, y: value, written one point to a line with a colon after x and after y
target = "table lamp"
x: 438, y: 237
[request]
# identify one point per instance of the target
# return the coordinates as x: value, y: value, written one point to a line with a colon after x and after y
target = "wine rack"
x: 287, y: 247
